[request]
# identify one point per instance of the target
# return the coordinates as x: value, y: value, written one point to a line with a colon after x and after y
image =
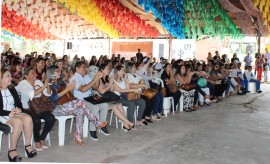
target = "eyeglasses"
x: 57, y: 70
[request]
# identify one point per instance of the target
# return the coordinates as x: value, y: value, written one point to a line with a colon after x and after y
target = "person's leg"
x: 259, y: 75
x: 148, y: 109
x: 103, y: 108
x: 49, y: 123
x: 176, y: 97
x: 141, y: 104
x: 246, y: 84
x: 36, y: 131
x: 95, y: 111
x: 28, y: 130
x: 130, y: 110
x: 17, y: 126
x: 120, y: 113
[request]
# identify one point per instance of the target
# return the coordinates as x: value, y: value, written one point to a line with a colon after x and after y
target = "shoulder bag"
x: 188, y: 87
x: 40, y: 105
x: 67, y: 97
x: 149, y: 93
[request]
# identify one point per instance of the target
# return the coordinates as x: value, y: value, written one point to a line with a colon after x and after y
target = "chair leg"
x: 48, y: 138
x: 61, y: 131
x: 111, y: 117
x: 85, y: 127
x: 71, y: 123
x: 116, y: 122
x: 1, y: 135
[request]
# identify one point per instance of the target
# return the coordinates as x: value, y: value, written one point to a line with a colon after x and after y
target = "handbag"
x: 172, y: 88
x: 202, y: 82
x: 107, y: 97
x: 149, y: 93
x: 131, y: 96
x: 188, y: 87
x: 163, y: 91
x: 110, y: 97
x: 40, y: 105
x: 67, y: 97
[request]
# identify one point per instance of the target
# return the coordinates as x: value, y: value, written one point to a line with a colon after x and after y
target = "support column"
x: 109, y: 49
x: 170, y: 49
x: 64, y: 47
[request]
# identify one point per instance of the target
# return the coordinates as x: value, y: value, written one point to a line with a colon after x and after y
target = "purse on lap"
x: 40, y: 105
x: 149, y: 93
x: 188, y: 87
x: 67, y: 97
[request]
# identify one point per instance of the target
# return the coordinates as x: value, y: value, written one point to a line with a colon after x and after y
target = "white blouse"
x: 121, y: 85
x: 27, y: 91
x: 8, y: 100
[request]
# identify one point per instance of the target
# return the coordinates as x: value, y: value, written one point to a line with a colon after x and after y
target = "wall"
x: 129, y: 49
x: 205, y: 46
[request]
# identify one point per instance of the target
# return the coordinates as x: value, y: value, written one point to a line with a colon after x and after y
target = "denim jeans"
x: 157, y: 103
x: 258, y: 83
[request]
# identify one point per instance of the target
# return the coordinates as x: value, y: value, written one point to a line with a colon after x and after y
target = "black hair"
x: 79, y: 64
x: 101, y: 68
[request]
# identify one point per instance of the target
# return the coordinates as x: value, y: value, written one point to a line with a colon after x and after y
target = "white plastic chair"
x: 62, y: 127
x: 168, y: 102
x: 252, y: 87
x: 1, y: 135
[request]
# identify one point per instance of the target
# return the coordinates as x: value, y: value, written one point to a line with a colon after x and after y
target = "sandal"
x: 30, y: 154
x: 14, y: 159
x: 79, y: 142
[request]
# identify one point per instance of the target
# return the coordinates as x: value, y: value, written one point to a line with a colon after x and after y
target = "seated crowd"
x: 200, y: 83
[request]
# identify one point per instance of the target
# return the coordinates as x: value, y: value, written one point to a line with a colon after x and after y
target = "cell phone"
x: 51, y: 79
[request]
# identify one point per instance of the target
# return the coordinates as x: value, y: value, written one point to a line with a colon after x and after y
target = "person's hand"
x: 98, y: 75
x: 17, y: 111
x: 136, y: 91
x: 71, y: 85
x: 111, y: 79
x: 46, y: 83
x: 144, y: 86
x: 43, y: 75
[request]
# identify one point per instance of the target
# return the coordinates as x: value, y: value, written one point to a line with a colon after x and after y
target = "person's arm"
x: 68, y: 88
x: 91, y: 84
x: 117, y: 88
x: 102, y: 88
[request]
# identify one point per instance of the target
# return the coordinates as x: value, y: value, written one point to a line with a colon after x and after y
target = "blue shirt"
x: 248, y: 58
x: 81, y: 81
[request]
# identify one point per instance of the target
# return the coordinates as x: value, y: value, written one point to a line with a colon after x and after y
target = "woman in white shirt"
x: 12, y: 113
x: 121, y: 87
x: 29, y: 88
x: 136, y: 82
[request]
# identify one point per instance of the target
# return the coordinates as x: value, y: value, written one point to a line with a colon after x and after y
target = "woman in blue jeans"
x: 121, y: 88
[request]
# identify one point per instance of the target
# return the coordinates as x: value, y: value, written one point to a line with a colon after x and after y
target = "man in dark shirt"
x: 217, y: 57
x: 139, y: 56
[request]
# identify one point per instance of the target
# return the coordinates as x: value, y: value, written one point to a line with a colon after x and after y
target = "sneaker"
x: 93, y: 135
x: 5, y: 128
x: 259, y: 91
x: 162, y: 115
x: 155, y: 117
x: 247, y: 91
x: 104, y: 131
